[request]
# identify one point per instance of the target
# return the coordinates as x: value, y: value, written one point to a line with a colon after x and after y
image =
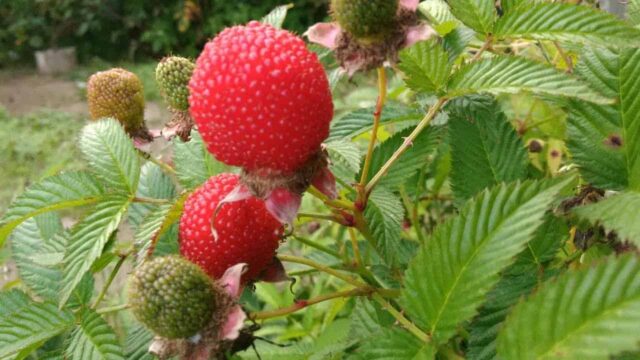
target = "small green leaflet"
x: 88, y: 239
x: 510, y: 75
x: 111, y: 154
x: 617, y: 213
x: 448, y: 279
x: 605, y: 140
x: 94, y: 339
x: 194, y: 164
x: 426, y: 67
x: 476, y: 14
x: 384, y: 214
x: 397, y: 344
x: 485, y: 148
x: 57, y: 192
x: 565, y: 22
x: 360, y: 121
x: 592, y: 313
x: 277, y: 16
x: 154, y: 184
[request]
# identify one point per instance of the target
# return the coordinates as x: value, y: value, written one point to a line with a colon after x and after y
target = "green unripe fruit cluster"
x: 368, y: 20
x: 172, y: 297
x: 117, y: 93
x: 173, y: 74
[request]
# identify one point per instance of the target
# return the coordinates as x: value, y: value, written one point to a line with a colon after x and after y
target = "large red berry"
x: 246, y: 232
x: 260, y: 98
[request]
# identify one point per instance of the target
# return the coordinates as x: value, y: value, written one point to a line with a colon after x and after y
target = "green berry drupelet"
x: 173, y: 297
x: 366, y: 20
x: 173, y: 74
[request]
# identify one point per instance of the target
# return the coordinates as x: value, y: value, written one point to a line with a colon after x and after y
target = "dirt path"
x: 22, y: 93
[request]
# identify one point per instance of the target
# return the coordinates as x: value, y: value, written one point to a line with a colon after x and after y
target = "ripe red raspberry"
x: 260, y: 98
x: 246, y: 232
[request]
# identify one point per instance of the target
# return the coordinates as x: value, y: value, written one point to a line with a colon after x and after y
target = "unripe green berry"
x: 173, y: 74
x: 173, y: 297
x: 117, y: 93
x: 366, y: 20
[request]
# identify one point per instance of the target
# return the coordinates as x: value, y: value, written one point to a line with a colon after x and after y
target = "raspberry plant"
x: 484, y: 207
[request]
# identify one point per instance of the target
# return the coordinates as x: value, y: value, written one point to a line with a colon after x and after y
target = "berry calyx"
x: 173, y: 74
x: 217, y: 235
x: 173, y: 297
x: 118, y: 93
x: 260, y: 98
x: 366, y: 20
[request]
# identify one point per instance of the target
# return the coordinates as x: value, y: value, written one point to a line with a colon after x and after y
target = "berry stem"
x: 406, y: 144
x: 162, y: 165
x: 151, y: 201
x: 317, y: 246
x: 382, y: 98
x: 301, y: 304
x: 337, y: 203
x: 356, y: 249
x: 318, y: 216
x: 111, y: 309
x: 112, y: 276
x: 299, y: 260
x: 406, y: 323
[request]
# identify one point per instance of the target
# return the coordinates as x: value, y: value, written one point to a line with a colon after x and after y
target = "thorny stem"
x: 112, y: 276
x: 565, y: 57
x: 485, y: 46
x: 111, y: 309
x: 162, y: 165
x: 356, y: 248
x: 317, y: 246
x: 301, y: 304
x: 299, y: 260
x: 406, y: 144
x: 337, y: 203
x: 406, y: 323
x: 382, y: 98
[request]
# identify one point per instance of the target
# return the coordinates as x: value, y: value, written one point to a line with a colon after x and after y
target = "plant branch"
x: 299, y: 260
x: 317, y: 246
x: 382, y: 98
x: 485, y: 46
x: 411, y: 327
x: 112, y: 276
x: 162, y: 165
x: 151, y: 201
x: 406, y: 144
x: 111, y: 309
x: 356, y: 248
x: 337, y: 203
x: 301, y: 304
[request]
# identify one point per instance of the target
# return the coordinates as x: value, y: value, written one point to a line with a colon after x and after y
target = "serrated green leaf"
x: 633, y: 12
x: 486, y: 325
x: 12, y: 301
x: 33, y: 324
x: 448, y: 279
x: 510, y: 75
x: 476, y: 14
x: 361, y: 120
x: 88, y: 239
x: 384, y: 214
x: 156, y: 225
x: 94, y: 340
x: 485, y: 148
x: 137, y: 344
x: 565, y: 22
x: 277, y: 16
x: 426, y: 66
x: 345, y: 159
x: 605, y: 140
x: 111, y: 154
x: 549, y: 238
x: 592, y: 313
x: 617, y: 213
x: 194, y: 164
x: 396, y: 344
x: 415, y: 158
x: 53, y: 193
x: 154, y: 184
x: 31, y: 239
x: 439, y: 14
x: 368, y: 319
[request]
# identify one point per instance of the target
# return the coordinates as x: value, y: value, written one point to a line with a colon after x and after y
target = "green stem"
x: 406, y: 144
x: 161, y: 164
x: 322, y: 268
x: 411, y: 327
x: 151, y: 201
x: 382, y: 98
x: 110, y: 309
x: 112, y: 276
x: 317, y: 246
x: 301, y: 304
